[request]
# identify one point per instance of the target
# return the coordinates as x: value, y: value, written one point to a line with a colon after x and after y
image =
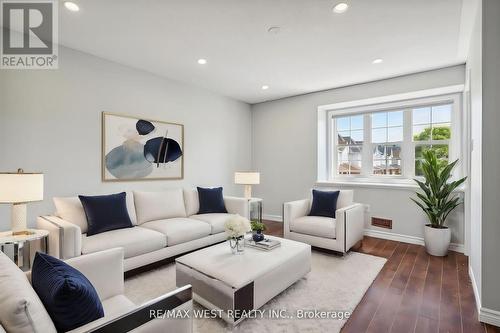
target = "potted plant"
x: 258, y: 228
x: 236, y: 227
x: 437, y: 201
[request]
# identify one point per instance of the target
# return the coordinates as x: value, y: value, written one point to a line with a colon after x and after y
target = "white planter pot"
x: 437, y: 241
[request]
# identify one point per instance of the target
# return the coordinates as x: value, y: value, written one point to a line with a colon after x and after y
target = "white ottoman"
x: 236, y: 284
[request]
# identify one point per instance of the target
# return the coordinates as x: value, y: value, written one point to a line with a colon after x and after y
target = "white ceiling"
x: 315, y: 49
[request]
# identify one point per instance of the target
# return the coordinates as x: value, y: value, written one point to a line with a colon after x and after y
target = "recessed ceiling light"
x: 71, y: 6
x: 265, y: 87
x: 377, y: 61
x: 202, y: 61
x: 340, y: 8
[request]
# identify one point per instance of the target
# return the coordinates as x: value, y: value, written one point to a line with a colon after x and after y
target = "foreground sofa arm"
x: 236, y: 205
x: 152, y: 317
x: 104, y: 270
x: 293, y: 210
x: 65, y: 238
x: 350, y: 226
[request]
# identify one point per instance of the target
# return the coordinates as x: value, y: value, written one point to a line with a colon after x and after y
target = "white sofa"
x: 336, y: 234
x: 165, y: 224
x: 22, y: 310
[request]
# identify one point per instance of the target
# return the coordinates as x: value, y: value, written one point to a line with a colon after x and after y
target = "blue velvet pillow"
x: 211, y: 200
x: 68, y: 296
x: 324, y: 203
x: 106, y: 212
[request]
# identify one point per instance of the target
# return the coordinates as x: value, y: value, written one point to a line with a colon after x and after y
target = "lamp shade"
x: 21, y: 187
x: 247, y: 178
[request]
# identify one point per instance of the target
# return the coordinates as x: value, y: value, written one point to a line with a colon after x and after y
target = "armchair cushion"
x: 21, y: 310
x: 324, y: 203
x: 211, y: 200
x: 135, y: 241
x: 67, y: 294
x: 315, y: 226
x: 105, y: 212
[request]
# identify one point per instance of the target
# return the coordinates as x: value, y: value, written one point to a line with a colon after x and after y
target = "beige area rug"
x: 334, y: 284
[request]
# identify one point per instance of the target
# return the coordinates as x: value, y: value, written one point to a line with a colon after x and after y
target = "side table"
x: 21, y: 249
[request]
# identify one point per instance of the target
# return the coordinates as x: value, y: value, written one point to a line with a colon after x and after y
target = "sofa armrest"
x: 104, y: 270
x: 152, y: 317
x: 293, y: 210
x: 350, y: 225
x: 236, y: 205
x: 65, y: 238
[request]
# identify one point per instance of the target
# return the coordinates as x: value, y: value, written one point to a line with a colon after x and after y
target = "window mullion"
x: 408, y: 158
x: 366, y: 163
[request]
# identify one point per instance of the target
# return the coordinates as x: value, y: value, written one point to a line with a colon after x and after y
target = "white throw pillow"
x: 21, y: 311
x: 152, y: 206
x: 70, y: 209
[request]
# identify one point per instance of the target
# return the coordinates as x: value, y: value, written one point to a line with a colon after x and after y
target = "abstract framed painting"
x: 141, y: 149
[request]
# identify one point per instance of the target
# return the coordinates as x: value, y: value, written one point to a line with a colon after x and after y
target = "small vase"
x: 237, y: 245
x: 258, y: 236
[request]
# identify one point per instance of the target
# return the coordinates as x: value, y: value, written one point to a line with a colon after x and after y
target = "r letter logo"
x: 29, y: 35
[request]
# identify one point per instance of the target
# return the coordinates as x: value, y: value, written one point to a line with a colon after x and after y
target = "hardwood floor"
x: 414, y: 292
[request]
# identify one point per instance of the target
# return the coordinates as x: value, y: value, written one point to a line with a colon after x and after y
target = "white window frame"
x: 407, y: 146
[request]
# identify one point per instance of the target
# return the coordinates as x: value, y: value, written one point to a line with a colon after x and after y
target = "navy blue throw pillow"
x: 68, y: 296
x: 211, y: 200
x: 324, y: 203
x: 106, y: 212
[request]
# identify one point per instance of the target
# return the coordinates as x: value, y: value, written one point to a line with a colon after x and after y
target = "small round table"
x: 21, y: 249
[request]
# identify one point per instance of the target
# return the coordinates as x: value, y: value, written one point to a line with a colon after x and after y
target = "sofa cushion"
x: 315, y: 226
x: 114, y: 307
x: 71, y: 210
x: 324, y: 203
x: 105, y: 212
x: 211, y: 200
x: 179, y: 230
x: 216, y: 220
x: 152, y: 206
x: 135, y: 241
x: 67, y: 294
x: 191, y: 201
x: 20, y: 308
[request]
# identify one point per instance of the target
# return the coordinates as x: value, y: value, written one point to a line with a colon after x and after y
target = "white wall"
x: 51, y: 121
x: 284, y: 150
x: 490, y: 227
x: 474, y: 101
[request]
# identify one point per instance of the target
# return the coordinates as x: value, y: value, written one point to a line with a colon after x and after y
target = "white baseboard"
x: 407, y: 239
x: 270, y: 217
x: 475, y: 289
x: 489, y: 316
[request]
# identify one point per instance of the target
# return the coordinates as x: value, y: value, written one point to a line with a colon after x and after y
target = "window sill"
x: 396, y: 185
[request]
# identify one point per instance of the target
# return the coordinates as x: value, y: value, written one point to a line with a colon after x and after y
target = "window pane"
x: 442, y: 153
x: 379, y: 119
x: 379, y: 152
x: 379, y: 167
x: 393, y: 151
x: 421, y: 116
x: 394, y: 134
x: 441, y: 114
x: 357, y: 136
x: 379, y: 135
x: 344, y: 137
x: 349, y: 168
x: 357, y: 122
x: 355, y: 153
x: 421, y: 132
x: 394, y: 167
x: 441, y: 132
x: 343, y: 124
x: 395, y: 118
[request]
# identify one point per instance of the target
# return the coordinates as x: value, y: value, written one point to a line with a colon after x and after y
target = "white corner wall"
x: 284, y: 151
x: 50, y: 121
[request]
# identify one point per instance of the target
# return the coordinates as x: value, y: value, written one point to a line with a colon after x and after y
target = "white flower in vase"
x: 237, y: 226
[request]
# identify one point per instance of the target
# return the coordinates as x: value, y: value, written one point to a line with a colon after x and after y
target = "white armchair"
x: 336, y: 234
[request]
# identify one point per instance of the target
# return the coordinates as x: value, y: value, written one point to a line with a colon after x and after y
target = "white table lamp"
x: 18, y: 189
x: 248, y: 179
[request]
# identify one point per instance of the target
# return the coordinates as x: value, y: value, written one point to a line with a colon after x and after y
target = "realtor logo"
x: 29, y: 34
